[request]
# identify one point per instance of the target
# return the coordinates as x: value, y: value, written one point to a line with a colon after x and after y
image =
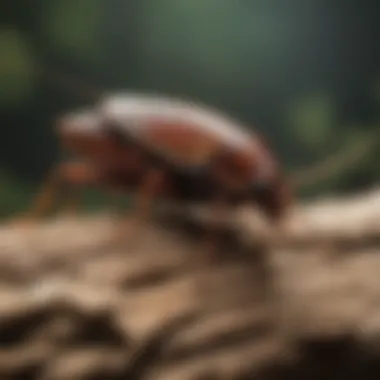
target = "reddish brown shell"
x: 185, y: 132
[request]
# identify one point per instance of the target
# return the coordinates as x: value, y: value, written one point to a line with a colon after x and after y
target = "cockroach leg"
x: 66, y: 174
x: 72, y: 201
x: 131, y: 226
x: 213, y: 236
x: 73, y: 177
x: 42, y: 203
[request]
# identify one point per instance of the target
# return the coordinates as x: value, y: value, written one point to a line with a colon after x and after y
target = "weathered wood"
x: 72, y: 306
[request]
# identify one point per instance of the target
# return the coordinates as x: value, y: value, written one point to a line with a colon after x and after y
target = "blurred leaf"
x: 312, y: 120
x: 74, y: 26
x: 16, y: 68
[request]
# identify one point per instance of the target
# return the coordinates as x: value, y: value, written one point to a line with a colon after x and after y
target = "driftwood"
x: 302, y: 307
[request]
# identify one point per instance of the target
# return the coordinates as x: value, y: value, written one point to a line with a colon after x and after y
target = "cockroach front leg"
x: 151, y: 187
x: 212, y: 241
x: 67, y: 174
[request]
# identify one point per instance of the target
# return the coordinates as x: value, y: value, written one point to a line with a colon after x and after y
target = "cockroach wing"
x: 184, y: 132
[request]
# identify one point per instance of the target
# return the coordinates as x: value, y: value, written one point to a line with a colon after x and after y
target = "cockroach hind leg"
x: 50, y: 194
x: 130, y: 229
x: 41, y: 205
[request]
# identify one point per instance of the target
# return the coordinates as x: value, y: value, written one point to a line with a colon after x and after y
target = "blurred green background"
x: 304, y: 72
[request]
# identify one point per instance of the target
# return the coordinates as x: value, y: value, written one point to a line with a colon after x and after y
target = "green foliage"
x: 312, y: 120
x: 73, y: 27
x: 16, y: 67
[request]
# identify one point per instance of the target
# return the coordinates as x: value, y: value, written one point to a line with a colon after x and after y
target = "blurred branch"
x: 341, y: 161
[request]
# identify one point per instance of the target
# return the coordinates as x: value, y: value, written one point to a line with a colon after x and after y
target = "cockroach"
x: 164, y: 147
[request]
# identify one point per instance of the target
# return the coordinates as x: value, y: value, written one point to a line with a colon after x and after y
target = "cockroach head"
x: 271, y: 195
x: 85, y: 122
